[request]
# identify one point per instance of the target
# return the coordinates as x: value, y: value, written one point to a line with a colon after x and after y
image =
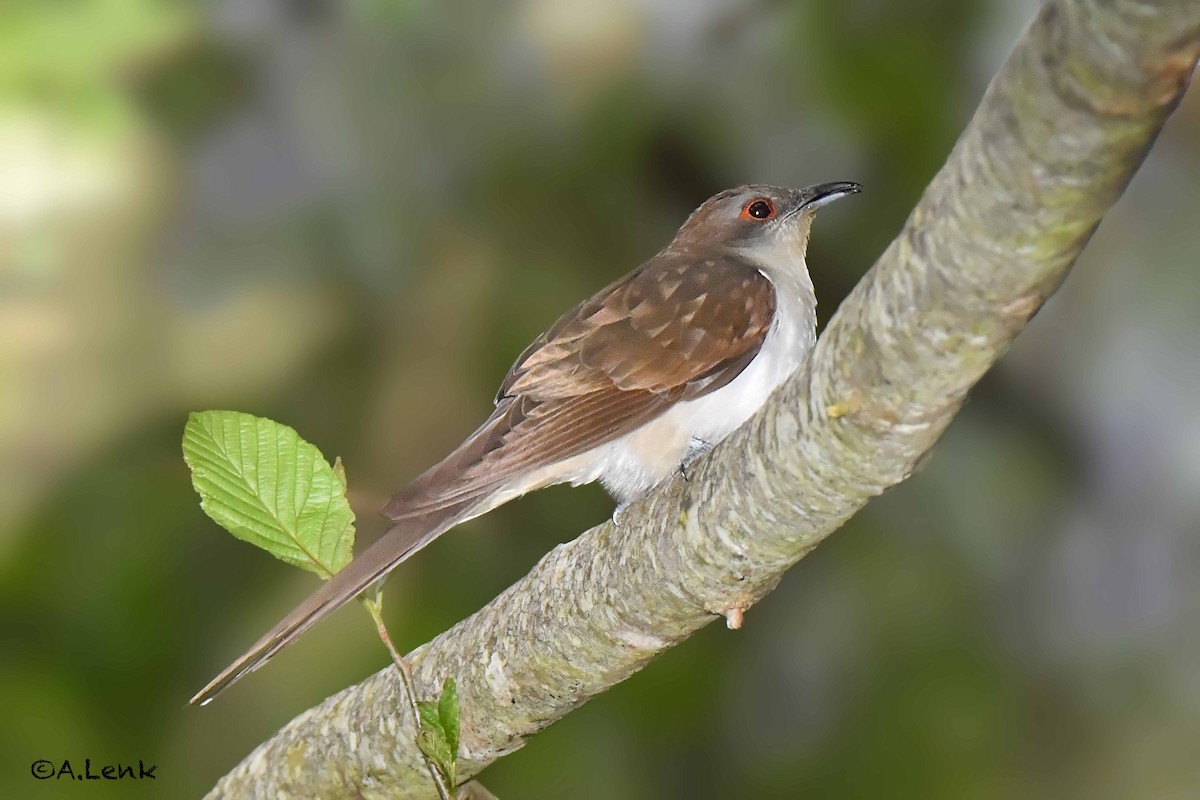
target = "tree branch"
x: 1056, y: 138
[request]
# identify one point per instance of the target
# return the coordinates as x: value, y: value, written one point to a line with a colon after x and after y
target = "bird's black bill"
x: 824, y: 193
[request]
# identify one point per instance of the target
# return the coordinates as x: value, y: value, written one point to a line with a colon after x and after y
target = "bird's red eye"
x: 759, y: 209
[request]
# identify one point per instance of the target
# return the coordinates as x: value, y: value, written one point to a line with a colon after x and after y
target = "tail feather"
x: 404, y: 539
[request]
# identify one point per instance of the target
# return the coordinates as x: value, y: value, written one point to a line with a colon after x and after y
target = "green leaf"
x: 429, y: 716
x: 263, y: 483
x: 438, y: 737
x: 448, y: 712
x: 434, y: 746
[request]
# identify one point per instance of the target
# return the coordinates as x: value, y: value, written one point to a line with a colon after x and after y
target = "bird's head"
x: 761, y: 216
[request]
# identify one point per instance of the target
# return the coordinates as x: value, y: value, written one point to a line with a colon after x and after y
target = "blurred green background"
x: 351, y: 216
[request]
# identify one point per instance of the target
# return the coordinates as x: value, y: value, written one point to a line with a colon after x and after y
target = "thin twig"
x: 375, y: 608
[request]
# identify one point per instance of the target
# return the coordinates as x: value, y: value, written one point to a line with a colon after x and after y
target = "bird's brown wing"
x: 681, y: 325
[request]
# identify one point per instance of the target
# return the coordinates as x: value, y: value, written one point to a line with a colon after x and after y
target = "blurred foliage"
x: 74, y: 58
x: 352, y: 216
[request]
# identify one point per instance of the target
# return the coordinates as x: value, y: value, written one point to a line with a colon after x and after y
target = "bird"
x: 625, y: 388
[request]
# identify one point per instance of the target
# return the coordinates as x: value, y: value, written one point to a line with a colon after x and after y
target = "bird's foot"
x: 696, y: 448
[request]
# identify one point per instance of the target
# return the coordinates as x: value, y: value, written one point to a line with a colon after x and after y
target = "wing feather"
x: 683, y: 324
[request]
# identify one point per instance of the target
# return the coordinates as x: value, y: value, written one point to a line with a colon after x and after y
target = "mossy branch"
x: 1058, y: 135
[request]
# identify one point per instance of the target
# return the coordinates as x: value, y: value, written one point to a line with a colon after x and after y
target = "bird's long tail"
x: 404, y: 539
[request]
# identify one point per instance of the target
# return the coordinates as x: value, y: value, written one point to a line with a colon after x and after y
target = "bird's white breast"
x: 630, y: 465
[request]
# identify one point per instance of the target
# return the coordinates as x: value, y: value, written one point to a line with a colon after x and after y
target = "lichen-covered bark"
x: 1055, y: 140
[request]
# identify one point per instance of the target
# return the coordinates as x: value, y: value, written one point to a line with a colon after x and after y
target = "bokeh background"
x: 351, y: 216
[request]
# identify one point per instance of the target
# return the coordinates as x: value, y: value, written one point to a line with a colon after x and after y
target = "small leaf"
x: 448, y: 713
x: 434, y: 746
x: 438, y: 737
x: 429, y: 716
x: 264, y: 484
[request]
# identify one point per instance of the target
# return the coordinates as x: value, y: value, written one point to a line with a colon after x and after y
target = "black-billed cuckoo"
x: 625, y: 388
